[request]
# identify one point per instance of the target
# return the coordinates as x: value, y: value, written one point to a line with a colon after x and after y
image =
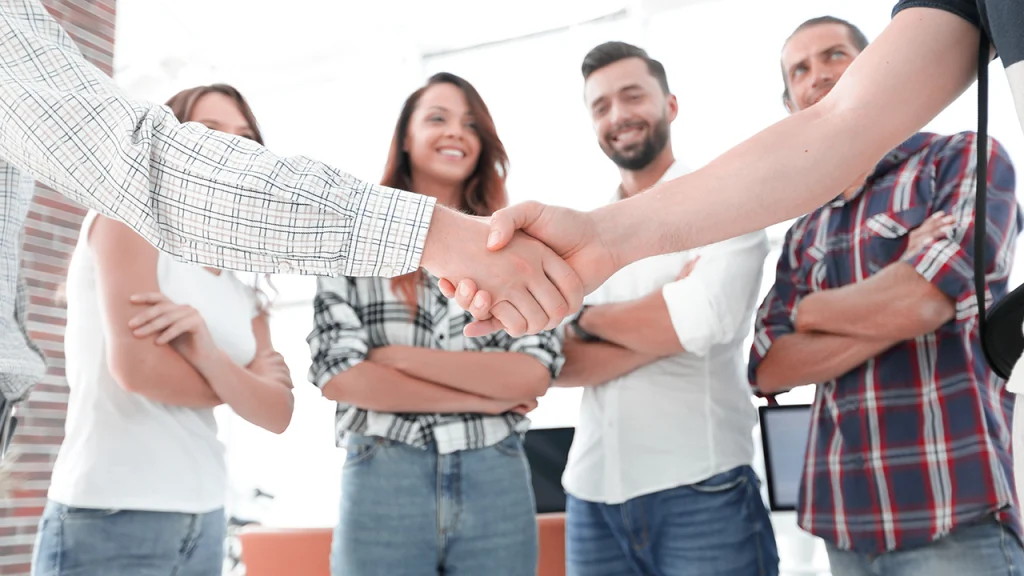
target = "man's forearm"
x: 595, y: 363
x: 497, y: 375
x: 642, y: 325
x: 372, y: 386
x: 799, y: 359
x: 894, y: 303
x: 921, y: 62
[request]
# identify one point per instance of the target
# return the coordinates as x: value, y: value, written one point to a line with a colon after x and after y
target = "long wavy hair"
x: 483, y: 192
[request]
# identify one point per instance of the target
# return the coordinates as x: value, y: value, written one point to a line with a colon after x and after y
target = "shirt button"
x: 286, y: 268
x: 387, y: 271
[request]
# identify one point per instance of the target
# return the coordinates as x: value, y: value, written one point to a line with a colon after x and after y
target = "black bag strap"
x: 981, y: 173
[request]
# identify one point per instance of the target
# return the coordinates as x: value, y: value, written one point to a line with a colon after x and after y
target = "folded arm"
x: 596, y: 363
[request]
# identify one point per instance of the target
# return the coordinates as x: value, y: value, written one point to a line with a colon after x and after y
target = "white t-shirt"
x: 122, y: 450
x: 687, y: 417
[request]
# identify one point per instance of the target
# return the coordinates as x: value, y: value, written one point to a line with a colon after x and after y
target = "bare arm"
x: 799, y: 359
x: 261, y: 399
x: 126, y: 265
x: 372, y: 386
x: 495, y: 375
x: 637, y: 325
x: 595, y: 363
x: 923, y: 60
x: 894, y: 303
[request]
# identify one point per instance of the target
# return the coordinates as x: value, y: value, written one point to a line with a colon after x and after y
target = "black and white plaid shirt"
x: 200, y: 195
x: 351, y: 316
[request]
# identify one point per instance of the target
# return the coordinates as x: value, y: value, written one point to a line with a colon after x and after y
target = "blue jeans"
x: 982, y: 549
x: 410, y: 512
x: 716, y: 527
x: 90, y: 542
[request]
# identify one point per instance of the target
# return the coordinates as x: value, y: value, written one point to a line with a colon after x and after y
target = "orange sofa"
x: 307, y: 551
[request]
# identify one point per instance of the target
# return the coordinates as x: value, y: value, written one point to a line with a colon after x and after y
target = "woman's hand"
x: 179, y: 325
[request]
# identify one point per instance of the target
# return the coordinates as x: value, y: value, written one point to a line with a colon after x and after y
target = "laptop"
x: 547, y: 450
x: 784, y: 433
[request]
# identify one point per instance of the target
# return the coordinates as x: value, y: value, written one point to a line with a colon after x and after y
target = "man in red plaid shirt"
x: 908, y: 468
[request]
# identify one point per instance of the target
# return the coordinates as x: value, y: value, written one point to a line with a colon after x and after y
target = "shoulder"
x: 966, y: 9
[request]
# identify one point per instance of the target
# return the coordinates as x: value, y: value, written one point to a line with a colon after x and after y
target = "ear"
x: 673, y: 107
x: 790, y: 107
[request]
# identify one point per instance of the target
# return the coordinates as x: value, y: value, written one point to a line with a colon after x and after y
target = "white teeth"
x: 451, y: 152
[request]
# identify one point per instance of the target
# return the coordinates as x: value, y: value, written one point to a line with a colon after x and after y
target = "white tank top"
x: 122, y: 450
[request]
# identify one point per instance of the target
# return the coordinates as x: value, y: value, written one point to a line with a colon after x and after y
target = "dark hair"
x: 181, y: 104
x: 483, y: 192
x: 860, y: 42
x: 611, y: 52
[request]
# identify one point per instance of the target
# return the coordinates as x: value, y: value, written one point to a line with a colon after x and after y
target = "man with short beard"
x: 908, y: 468
x: 659, y: 476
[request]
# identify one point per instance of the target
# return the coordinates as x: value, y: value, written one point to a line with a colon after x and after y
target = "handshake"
x: 524, y: 269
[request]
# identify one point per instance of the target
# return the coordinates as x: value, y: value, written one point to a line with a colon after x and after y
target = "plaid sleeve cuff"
x: 763, y: 339
x: 321, y: 372
x: 545, y: 348
x: 389, y: 231
x: 944, y: 264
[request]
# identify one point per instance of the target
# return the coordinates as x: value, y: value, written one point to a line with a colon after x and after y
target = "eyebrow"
x: 627, y: 88
x: 210, y: 121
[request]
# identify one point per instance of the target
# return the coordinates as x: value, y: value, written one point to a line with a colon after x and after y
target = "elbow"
x: 284, y: 420
x: 933, y: 311
x: 532, y: 382
x: 768, y: 380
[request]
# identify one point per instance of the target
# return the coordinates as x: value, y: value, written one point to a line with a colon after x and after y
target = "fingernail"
x: 493, y: 238
x: 478, y: 301
x: 463, y: 289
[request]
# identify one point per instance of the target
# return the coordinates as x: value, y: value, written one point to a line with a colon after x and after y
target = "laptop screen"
x: 547, y: 450
x: 784, y: 432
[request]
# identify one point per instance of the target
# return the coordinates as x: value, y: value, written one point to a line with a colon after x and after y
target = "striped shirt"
x: 351, y: 316
x: 916, y: 441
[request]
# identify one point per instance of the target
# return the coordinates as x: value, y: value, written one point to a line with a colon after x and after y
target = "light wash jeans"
x: 412, y: 512
x: 718, y: 527
x: 91, y: 542
x: 982, y: 549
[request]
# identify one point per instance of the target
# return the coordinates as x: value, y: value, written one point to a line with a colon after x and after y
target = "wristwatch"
x: 580, y: 332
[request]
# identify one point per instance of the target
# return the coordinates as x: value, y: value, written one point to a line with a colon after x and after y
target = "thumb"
x: 506, y: 221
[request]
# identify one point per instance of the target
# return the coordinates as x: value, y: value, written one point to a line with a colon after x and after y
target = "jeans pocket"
x: 361, y: 449
x: 74, y: 513
x: 511, y: 445
x: 723, y: 482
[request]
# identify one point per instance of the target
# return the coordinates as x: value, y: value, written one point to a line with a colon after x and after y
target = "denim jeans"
x: 718, y: 527
x: 406, y: 511
x: 982, y: 549
x: 92, y: 542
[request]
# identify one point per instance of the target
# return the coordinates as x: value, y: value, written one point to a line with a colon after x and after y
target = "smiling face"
x: 813, y: 60
x: 630, y: 112
x: 442, y: 141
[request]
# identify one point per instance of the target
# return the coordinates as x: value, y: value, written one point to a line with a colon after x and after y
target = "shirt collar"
x: 677, y: 169
x: 892, y: 160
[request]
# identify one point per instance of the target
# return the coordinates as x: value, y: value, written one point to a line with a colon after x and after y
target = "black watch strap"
x: 580, y: 332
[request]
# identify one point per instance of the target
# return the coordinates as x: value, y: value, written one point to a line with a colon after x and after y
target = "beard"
x: 638, y: 156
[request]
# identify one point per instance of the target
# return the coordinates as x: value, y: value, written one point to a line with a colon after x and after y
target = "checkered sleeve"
x: 200, y: 195
x: 339, y: 339
x: 948, y: 263
x: 774, y: 317
x: 544, y: 347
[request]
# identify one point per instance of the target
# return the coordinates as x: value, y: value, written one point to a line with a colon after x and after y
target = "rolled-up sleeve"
x: 948, y: 263
x: 715, y: 302
x: 544, y: 347
x: 339, y: 340
x: 774, y: 318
